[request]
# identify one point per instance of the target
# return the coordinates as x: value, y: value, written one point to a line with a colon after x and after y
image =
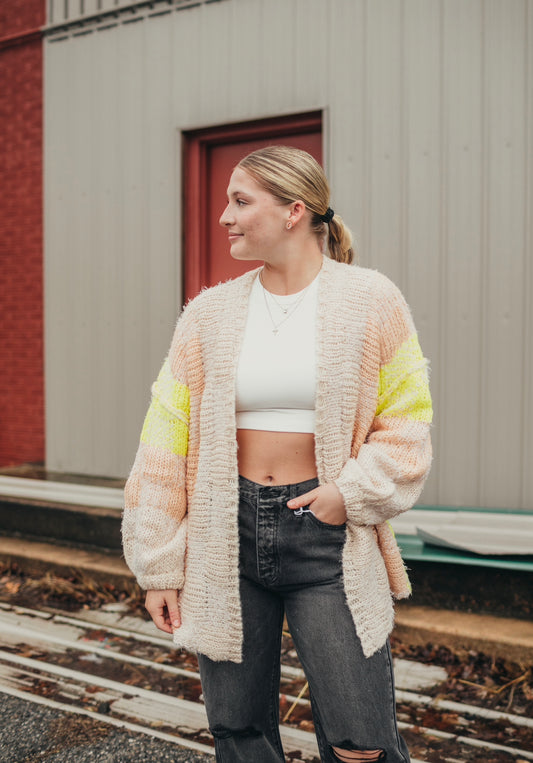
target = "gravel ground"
x: 31, y: 733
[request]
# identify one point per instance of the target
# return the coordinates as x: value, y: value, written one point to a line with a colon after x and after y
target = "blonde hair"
x: 289, y: 174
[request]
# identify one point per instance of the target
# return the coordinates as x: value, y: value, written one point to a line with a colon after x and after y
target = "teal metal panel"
x: 414, y: 549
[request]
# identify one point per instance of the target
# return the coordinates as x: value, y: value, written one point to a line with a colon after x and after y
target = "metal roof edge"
x: 62, y: 492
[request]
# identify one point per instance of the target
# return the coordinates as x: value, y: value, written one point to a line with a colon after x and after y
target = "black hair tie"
x: 327, y: 217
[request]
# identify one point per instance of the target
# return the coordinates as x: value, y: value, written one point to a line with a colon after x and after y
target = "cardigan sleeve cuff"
x: 348, y: 482
x: 156, y: 565
x: 160, y: 582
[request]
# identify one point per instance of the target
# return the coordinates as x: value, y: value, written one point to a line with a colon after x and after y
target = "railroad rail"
x: 115, y: 668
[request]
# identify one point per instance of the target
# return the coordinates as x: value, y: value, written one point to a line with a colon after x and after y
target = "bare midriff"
x: 276, y: 458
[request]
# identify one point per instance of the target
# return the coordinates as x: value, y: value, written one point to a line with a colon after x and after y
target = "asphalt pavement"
x: 30, y: 733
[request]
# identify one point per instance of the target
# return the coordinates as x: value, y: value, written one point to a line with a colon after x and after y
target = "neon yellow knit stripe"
x: 403, y: 384
x: 167, y: 422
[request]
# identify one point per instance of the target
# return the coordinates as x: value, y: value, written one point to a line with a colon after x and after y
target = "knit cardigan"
x: 373, y: 414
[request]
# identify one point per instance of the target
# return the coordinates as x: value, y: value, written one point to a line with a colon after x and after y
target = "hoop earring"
x: 289, y: 225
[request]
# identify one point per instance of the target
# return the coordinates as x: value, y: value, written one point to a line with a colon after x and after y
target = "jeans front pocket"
x: 305, y: 510
x: 326, y: 525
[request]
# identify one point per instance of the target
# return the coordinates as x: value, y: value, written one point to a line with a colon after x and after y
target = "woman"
x: 288, y: 423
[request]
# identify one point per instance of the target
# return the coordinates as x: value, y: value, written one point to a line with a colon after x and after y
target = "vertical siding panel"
x: 502, y: 417
x: 77, y: 297
x: 107, y: 5
x: 86, y: 295
x: 422, y: 192
x: 311, y: 76
x: 162, y: 289
x: 103, y: 272
x: 57, y: 263
x: 136, y: 375
x: 384, y: 68
x: 216, y: 38
x: 248, y: 72
x: 279, y: 19
x: 186, y: 65
x: 527, y: 349
x: 346, y: 147
x: 71, y: 9
x: 72, y: 360
x: 462, y: 263
x: 90, y: 6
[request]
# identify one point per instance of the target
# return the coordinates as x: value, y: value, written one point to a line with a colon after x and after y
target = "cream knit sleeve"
x: 387, y: 474
x: 154, y: 525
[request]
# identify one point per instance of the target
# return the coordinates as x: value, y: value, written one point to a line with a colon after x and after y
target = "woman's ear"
x: 296, y: 211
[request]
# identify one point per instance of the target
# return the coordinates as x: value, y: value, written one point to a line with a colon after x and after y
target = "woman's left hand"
x: 326, y: 503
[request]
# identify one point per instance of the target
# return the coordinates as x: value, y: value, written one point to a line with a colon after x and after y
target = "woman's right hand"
x: 163, y: 608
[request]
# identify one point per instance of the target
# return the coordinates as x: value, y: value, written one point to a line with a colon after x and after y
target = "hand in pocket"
x: 326, y: 503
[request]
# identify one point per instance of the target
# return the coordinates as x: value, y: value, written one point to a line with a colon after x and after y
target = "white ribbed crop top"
x: 276, y: 372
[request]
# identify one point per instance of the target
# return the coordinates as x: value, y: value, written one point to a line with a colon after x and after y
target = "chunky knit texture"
x: 373, y: 413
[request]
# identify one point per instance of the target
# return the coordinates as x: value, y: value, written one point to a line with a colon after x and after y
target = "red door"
x: 210, y: 156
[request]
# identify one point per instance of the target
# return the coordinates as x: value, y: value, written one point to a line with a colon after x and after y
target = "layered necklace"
x: 287, y: 309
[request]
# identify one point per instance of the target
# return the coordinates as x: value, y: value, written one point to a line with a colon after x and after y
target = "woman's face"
x: 255, y: 220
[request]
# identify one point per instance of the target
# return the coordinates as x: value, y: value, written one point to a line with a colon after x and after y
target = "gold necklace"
x: 283, y: 309
x: 287, y: 312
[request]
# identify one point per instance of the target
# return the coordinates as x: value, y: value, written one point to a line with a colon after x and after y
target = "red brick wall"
x: 22, y: 431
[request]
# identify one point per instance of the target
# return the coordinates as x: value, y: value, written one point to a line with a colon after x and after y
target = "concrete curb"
x: 39, y: 558
x: 504, y: 637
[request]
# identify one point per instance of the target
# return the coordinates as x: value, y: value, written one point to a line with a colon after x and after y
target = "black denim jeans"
x: 290, y: 563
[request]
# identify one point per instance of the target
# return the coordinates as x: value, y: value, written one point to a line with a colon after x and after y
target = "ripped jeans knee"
x: 351, y: 755
x: 221, y: 732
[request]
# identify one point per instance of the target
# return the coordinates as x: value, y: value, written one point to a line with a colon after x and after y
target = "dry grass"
x: 72, y: 592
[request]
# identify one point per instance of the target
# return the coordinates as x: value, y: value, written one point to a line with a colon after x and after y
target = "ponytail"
x: 340, y: 241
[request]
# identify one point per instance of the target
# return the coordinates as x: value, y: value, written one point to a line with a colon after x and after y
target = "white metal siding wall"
x: 428, y: 107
